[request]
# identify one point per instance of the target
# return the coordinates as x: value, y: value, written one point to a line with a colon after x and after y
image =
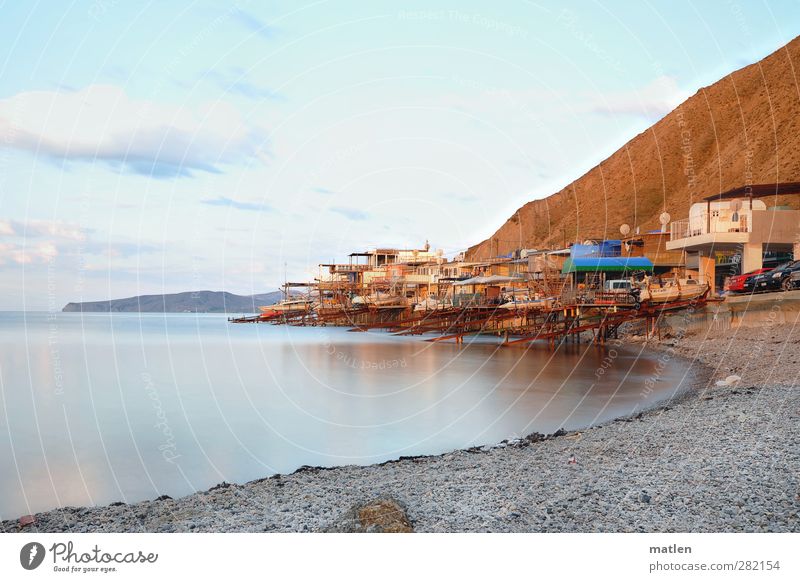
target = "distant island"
x: 188, y: 301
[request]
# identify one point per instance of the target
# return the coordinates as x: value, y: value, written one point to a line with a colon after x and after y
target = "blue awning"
x: 606, y: 264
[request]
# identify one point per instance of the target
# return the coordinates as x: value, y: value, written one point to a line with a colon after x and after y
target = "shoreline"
x: 631, y: 473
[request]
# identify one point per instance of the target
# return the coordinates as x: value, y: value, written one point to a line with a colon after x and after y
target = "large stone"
x: 382, y: 515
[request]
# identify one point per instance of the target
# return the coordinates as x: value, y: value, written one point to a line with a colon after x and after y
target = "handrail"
x: 706, y: 223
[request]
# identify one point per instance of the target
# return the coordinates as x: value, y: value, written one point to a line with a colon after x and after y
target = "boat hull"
x: 528, y: 305
x: 284, y: 308
x: 672, y: 292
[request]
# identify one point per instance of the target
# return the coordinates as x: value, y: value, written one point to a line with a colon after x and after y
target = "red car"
x: 735, y: 284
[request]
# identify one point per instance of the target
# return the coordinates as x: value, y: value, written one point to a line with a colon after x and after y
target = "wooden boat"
x: 524, y: 303
x: 286, y: 306
x: 653, y: 290
x: 379, y: 299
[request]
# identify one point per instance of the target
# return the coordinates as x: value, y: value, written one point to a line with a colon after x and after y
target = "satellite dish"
x: 625, y: 230
x: 664, y: 218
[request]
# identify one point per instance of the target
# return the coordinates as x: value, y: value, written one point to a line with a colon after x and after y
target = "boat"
x: 286, y: 306
x: 524, y: 303
x: 378, y: 299
x: 432, y: 304
x: 655, y: 290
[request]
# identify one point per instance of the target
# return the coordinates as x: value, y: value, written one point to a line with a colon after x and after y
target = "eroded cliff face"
x: 743, y: 129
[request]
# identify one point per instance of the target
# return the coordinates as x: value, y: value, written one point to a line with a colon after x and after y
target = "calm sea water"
x: 99, y: 408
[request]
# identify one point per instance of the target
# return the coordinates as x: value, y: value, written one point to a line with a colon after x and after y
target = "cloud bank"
x: 39, y: 242
x: 101, y: 123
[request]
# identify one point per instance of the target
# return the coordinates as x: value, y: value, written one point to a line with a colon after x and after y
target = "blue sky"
x: 161, y: 147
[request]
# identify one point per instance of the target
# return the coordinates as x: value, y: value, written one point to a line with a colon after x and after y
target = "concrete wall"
x: 761, y: 311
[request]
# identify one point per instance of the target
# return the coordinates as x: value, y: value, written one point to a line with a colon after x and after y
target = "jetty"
x: 588, y: 289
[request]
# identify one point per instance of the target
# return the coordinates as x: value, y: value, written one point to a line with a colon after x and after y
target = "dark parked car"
x: 785, y: 276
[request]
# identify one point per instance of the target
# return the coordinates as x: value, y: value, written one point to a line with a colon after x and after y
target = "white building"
x: 739, y: 221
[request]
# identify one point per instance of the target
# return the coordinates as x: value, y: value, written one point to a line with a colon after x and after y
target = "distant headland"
x: 186, y: 302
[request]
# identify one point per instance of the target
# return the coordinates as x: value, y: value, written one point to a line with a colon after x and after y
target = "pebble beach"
x: 722, y: 457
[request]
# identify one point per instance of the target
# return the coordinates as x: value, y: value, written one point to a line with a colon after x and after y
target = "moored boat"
x: 524, y: 303
x: 432, y: 304
x: 654, y: 290
x: 286, y: 306
x: 379, y: 299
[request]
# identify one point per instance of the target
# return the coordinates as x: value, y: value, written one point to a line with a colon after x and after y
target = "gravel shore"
x: 723, y: 458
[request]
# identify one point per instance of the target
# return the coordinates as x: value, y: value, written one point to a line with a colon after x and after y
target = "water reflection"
x: 103, y: 408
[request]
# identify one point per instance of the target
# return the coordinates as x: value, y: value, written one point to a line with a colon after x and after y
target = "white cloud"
x: 35, y: 241
x: 42, y: 228
x: 25, y: 254
x: 39, y: 241
x: 6, y: 229
x: 53, y: 228
x: 653, y: 101
x: 102, y: 123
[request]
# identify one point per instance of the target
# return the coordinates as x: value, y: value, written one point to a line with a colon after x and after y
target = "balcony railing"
x: 709, y: 224
x: 679, y: 229
x: 348, y: 268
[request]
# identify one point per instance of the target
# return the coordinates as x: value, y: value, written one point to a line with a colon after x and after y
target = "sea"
x: 103, y: 407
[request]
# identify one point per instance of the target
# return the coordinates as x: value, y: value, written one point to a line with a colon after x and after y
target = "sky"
x: 173, y: 146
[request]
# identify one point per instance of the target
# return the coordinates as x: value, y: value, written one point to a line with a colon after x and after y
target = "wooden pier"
x: 600, y: 320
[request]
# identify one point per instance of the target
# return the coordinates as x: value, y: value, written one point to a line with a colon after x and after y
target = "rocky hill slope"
x: 743, y: 129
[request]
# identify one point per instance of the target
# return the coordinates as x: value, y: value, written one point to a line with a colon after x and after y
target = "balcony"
x: 709, y: 223
x: 721, y: 230
x: 417, y: 278
x: 679, y: 229
x: 347, y: 268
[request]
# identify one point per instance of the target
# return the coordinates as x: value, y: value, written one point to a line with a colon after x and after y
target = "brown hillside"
x: 743, y: 129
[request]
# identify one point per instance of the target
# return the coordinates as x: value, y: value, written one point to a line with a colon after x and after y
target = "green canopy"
x: 606, y: 264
